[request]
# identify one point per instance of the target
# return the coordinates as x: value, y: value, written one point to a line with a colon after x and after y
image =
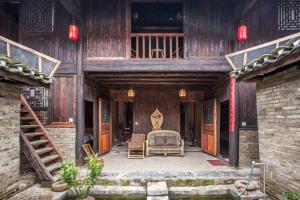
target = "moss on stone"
x: 228, y: 181
x: 206, y: 182
x: 184, y: 182
x: 106, y: 182
x: 124, y: 182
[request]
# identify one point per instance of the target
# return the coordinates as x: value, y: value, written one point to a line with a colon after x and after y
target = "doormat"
x: 216, y: 162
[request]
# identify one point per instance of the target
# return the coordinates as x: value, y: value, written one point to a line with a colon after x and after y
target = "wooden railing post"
x: 161, y: 47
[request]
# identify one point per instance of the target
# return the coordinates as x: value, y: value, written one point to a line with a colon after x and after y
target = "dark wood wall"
x: 207, y: 27
x: 247, y: 104
x: 262, y: 22
x: 62, y: 99
x: 9, y: 23
x: 106, y: 28
x: 57, y: 45
x: 146, y: 102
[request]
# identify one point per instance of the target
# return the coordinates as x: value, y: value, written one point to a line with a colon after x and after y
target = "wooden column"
x: 234, y: 124
x: 80, y: 99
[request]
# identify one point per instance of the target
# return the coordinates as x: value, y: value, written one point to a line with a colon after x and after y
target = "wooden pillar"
x: 233, y: 127
x: 80, y: 100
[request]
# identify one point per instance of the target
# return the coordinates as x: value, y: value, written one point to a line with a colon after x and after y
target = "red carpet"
x: 216, y: 162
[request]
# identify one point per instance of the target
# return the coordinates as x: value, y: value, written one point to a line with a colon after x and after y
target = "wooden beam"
x: 155, y: 75
x: 15, y: 78
x: 80, y: 120
x: 159, y: 65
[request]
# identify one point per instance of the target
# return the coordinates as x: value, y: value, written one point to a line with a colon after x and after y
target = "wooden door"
x: 209, y: 127
x: 105, y: 126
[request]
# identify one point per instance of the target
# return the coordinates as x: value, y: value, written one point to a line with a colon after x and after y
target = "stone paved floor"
x: 193, y: 160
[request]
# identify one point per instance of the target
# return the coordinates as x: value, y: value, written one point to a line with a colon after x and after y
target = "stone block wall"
x: 248, y: 147
x: 9, y: 136
x: 278, y: 112
x: 64, y: 138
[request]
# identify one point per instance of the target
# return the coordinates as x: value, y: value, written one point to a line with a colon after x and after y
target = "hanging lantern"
x: 242, y: 33
x: 131, y: 95
x: 73, y: 31
x: 182, y: 93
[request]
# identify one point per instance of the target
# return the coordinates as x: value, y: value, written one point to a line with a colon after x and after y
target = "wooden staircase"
x: 37, y: 145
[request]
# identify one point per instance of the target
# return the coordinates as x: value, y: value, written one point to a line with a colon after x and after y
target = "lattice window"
x: 289, y: 14
x: 38, y: 16
x: 208, y: 112
x: 38, y: 99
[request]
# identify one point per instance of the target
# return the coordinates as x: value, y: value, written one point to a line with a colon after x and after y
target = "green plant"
x: 291, y: 195
x: 68, y: 171
x: 82, y: 187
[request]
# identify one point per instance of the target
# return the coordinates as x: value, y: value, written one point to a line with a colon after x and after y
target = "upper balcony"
x: 157, y: 46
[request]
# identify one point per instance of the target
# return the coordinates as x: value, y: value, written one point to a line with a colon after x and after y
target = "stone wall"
x: 248, y: 147
x: 9, y: 136
x: 278, y: 111
x: 64, y: 138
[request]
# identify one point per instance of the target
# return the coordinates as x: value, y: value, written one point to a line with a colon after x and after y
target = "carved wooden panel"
x: 38, y: 16
x: 289, y: 15
x: 38, y: 99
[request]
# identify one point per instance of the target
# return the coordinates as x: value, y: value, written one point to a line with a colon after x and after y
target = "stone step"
x: 38, y: 142
x: 34, y: 134
x: 44, y: 150
x: 50, y: 158
x: 27, y: 118
x: 24, y: 110
x: 53, y: 167
x: 30, y: 126
x: 157, y: 198
x: 157, y: 188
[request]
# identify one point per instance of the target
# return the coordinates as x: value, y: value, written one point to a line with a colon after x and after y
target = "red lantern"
x: 242, y: 33
x: 73, y: 32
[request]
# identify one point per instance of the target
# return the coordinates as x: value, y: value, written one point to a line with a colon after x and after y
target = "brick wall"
x: 64, y: 138
x: 278, y: 112
x: 248, y: 147
x: 9, y: 136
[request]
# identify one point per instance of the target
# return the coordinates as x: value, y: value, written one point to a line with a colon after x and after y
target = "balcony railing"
x: 157, y: 46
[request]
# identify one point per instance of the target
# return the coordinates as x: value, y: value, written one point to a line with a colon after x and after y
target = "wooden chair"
x: 136, y: 146
x: 88, y: 150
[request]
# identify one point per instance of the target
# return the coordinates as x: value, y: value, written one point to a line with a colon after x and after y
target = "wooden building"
x: 155, y: 48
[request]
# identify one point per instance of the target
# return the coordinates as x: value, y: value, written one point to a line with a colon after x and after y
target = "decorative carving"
x: 288, y: 15
x: 38, y: 99
x: 157, y: 119
x: 38, y: 16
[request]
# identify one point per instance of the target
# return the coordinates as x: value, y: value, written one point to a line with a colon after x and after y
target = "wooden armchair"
x: 88, y: 150
x: 136, y: 146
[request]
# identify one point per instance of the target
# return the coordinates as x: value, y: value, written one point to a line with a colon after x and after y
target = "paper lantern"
x: 242, y: 33
x: 73, y: 32
x: 182, y: 93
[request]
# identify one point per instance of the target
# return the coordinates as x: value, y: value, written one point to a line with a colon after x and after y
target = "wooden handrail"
x: 157, y: 45
x: 39, y: 55
x: 40, y: 125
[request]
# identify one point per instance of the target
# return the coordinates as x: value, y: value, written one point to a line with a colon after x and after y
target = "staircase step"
x: 56, y: 176
x: 53, y: 167
x: 26, y: 118
x: 39, y: 142
x: 34, y: 134
x: 50, y: 158
x: 44, y: 150
x: 30, y: 126
x: 24, y: 110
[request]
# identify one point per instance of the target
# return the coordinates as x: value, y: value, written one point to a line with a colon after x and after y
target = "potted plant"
x: 82, y: 186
